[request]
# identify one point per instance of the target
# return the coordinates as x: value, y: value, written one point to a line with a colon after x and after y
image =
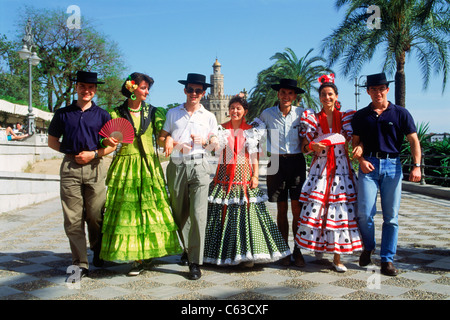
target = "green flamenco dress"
x: 138, y: 222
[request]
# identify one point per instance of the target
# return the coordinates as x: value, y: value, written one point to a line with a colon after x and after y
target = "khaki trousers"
x: 83, y: 196
x: 188, y: 184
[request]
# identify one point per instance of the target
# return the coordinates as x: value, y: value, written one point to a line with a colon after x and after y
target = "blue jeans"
x: 387, y: 178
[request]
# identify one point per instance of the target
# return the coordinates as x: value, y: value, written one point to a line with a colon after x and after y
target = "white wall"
x: 16, y: 155
x: 19, y: 189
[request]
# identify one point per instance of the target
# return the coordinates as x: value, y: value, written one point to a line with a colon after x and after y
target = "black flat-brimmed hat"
x: 87, y: 77
x: 195, y: 78
x: 288, y: 84
x: 377, y: 79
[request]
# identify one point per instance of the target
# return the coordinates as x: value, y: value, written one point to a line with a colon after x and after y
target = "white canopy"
x: 23, y: 110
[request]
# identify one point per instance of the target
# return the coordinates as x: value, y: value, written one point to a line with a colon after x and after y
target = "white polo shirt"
x: 180, y: 125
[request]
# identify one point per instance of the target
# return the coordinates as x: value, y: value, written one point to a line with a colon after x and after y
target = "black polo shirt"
x: 384, y: 132
x: 79, y: 130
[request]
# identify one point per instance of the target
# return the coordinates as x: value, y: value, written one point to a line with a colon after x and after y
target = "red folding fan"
x: 331, y: 139
x: 120, y: 129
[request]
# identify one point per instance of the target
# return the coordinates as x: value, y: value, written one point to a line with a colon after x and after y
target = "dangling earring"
x: 133, y: 97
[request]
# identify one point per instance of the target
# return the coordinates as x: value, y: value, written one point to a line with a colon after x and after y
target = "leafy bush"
x: 436, y: 157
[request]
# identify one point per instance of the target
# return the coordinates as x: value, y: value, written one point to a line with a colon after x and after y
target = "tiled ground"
x: 34, y: 257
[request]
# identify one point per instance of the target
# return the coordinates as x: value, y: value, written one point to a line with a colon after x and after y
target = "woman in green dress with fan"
x: 138, y: 223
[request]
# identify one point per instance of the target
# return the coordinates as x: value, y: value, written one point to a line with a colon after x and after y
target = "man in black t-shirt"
x: 82, y: 186
x: 379, y: 129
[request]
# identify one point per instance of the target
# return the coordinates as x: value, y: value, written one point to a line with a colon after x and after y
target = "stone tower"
x: 217, y: 101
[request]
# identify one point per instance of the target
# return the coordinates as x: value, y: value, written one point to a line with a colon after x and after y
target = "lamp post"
x: 33, y: 60
x: 357, y: 94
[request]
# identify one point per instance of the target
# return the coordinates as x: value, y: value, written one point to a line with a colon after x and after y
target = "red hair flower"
x: 326, y: 78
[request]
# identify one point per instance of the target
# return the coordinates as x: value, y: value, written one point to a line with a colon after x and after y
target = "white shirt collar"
x: 201, y: 109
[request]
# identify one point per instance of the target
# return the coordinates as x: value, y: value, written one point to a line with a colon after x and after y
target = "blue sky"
x: 169, y: 38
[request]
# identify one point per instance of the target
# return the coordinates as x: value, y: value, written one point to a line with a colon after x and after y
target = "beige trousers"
x: 188, y: 184
x: 83, y: 196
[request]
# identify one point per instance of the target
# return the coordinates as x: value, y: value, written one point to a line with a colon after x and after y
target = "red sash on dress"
x: 235, y: 143
x: 331, y: 160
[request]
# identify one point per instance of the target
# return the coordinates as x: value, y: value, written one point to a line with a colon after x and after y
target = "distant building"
x: 434, y: 137
x: 217, y: 100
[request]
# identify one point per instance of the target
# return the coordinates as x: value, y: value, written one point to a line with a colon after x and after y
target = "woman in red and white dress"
x: 327, y: 221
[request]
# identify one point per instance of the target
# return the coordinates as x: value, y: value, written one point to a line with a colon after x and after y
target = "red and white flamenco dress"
x: 327, y: 221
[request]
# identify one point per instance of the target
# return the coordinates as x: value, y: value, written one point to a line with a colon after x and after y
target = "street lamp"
x: 33, y: 60
x: 357, y: 94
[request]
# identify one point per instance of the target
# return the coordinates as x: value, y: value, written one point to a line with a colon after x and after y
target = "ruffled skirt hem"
x: 132, y: 247
x: 343, y: 241
x: 253, y: 257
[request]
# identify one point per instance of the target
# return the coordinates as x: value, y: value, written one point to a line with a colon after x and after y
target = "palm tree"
x: 287, y: 65
x: 408, y: 27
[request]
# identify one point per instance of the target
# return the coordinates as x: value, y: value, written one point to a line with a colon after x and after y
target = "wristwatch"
x: 96, y: 154
x: 417, y: 165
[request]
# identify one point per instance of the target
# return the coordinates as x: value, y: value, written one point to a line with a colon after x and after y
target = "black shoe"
x: 96, y: 261
x: 76, y: 275
x: 184, y: 259
x: 299, y: 261
x: 194, y: 271
x: 388, y: 269
x: 147, y: 264
x: 84, y: 272
x: 364, y: 258
x: 286, y: 261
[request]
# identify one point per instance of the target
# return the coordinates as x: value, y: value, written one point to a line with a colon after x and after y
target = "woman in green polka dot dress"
x: 239, y: 227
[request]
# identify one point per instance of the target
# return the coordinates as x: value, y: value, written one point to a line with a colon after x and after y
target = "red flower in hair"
x: 326, y: 78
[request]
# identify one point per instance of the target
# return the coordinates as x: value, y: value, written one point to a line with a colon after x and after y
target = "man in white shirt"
x: 287, y: 168
x: 189, y: 129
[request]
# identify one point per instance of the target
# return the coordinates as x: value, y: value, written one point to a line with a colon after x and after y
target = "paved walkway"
x: 35, y: 255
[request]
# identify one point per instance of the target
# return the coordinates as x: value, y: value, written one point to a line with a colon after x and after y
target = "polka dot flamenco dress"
x: 327, y: 221
x: 239, y: 226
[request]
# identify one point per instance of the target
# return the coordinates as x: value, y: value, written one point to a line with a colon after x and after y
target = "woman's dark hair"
x: 137, y: 78
x: 330, y: 85
x: 239, y: 100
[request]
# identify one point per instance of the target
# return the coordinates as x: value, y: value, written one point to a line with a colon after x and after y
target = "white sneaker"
x: 339, y: 268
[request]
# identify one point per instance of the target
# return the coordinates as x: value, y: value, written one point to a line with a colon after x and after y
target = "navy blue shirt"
x: 79, y: 130
x: 384, y: 132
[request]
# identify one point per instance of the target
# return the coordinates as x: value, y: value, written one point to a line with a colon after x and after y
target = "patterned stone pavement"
x: 35, y: 255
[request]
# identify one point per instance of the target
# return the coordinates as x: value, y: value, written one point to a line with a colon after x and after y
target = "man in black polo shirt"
x: 83, y: 190
x: 379, y: 129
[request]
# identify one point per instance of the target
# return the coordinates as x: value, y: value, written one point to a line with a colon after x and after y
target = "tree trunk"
x: 400, y: 81
x: 49, y: 98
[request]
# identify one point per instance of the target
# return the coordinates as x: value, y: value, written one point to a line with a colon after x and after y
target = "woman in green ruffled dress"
x: 138, y: 223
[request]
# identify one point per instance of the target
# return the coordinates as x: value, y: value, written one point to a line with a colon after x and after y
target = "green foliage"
x: 172, y: 105
x: 14, y: 75
x: 415, y: 27
x: 63, y: 52
x: 305, y: 70
x: 442, y: 161
x: 436, y: 156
